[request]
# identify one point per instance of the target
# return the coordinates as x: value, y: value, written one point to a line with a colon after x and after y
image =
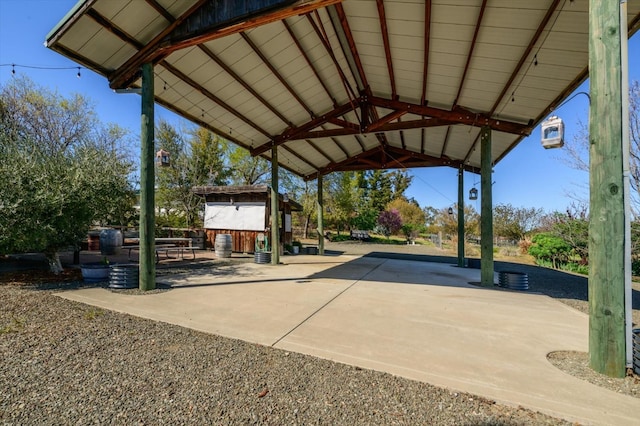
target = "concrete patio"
x: 419, y: 320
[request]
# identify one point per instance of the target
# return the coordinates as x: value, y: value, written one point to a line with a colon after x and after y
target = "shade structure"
x: 345, y: 85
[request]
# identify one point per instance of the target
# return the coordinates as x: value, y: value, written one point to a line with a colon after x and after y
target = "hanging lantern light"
x: 473, y: 194
x: 450, y: 211
x: 552, y: 133
x: 163, y: 158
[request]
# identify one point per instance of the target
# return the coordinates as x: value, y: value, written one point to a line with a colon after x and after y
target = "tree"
x: 61, y: 170
x: 248, y: 170
x: 200, y: 160
x: 515, y: 223
x: 345, y: 194
x: 389, y: 222
x: 549, y: 247
x: 412, y: 216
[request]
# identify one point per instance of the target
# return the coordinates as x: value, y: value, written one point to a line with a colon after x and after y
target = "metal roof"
x: 345, y: 85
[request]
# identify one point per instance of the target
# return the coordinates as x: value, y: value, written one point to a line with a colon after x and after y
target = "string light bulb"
x: 78, y: 75
x: 13, y: 69
x: 535, y: 60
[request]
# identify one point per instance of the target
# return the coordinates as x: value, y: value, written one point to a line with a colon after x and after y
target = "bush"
x: 548, y: 247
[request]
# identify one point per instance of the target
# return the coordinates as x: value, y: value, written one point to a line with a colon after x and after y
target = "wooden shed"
x: 244, y: 212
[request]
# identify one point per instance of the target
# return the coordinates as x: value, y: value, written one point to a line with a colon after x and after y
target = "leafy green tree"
x: 61, y: 170
x: 248, y: 170
x: 198, y: 160
x: 550, y: 248
x: 515, y: 223
x: 413, y: 219
x: 448, y: 223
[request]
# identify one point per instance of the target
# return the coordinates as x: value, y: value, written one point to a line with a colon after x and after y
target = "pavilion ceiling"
x: 345, y: 85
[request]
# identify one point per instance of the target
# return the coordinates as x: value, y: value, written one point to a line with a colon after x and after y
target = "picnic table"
x: 177, y: 246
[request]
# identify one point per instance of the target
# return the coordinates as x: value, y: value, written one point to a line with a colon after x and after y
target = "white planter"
x: 95, y: 272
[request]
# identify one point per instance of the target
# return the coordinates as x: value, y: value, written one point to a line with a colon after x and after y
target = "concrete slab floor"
x: 419, y: 320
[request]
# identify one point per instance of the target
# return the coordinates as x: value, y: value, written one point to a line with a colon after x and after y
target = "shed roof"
x: 243, y: 189
x: 345, y: 85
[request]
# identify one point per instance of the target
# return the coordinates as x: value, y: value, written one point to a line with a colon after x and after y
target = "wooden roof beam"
x: 291, y: 133
x: 162, y: 45
x: 305, y: 55
x: 458, y: 115
x: 387, y: 47
x: 472, y: 47
x: 212, y: 97
x: 525, y: 55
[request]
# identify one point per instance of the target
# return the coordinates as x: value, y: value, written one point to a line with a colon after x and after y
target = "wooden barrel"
x: 110, y: 241
x: 223, y: 245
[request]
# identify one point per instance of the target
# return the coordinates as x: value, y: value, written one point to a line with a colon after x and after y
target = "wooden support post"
x: 320, y: 217
x: 486, y: 209
x: 147, y: 279
x: 606, y: 225
x: 461, y: 218
x: 275, y: 208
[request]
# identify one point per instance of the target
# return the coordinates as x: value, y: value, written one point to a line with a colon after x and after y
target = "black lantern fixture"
x: 473, y: 194
x: 163, y: 158
x: 450, y: 211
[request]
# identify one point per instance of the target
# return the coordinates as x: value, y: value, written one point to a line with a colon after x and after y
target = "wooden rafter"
x: 387, y: 47
x: 291, y: 133
x: 277, y: 74
x: 525, y: 55
x: 159, y: 47
x: 458, y: 115
x: 188, y: 80
x: 344, y: 24
x: 385, y: 158
x: 130, y: 71
x: 472, y: 47
x: 305, y: 55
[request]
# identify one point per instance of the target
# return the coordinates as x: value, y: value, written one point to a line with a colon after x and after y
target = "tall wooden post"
x: 320, y: 217
x: 147, y: 279
x: 606, y: 224
x: 461, y: 218
x: 275, y: 208
x: 486, y: 209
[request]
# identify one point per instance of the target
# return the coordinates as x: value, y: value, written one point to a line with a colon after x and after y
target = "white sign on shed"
x: 247, y: 216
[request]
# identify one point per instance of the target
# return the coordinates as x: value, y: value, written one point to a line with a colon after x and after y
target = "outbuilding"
x: 244, y: 213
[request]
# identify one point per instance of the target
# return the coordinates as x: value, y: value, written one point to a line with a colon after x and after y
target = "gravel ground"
x: 68, y: 363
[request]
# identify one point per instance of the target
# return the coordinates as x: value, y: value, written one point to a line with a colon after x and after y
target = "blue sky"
x: 529, y: 176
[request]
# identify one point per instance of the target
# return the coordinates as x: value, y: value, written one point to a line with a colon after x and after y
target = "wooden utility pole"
x: 461, y: 218
x: 320, y: 217
x: 147, y: 280
x: 275, y: 208
x: 486, y: 209
x: 606, y: 225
